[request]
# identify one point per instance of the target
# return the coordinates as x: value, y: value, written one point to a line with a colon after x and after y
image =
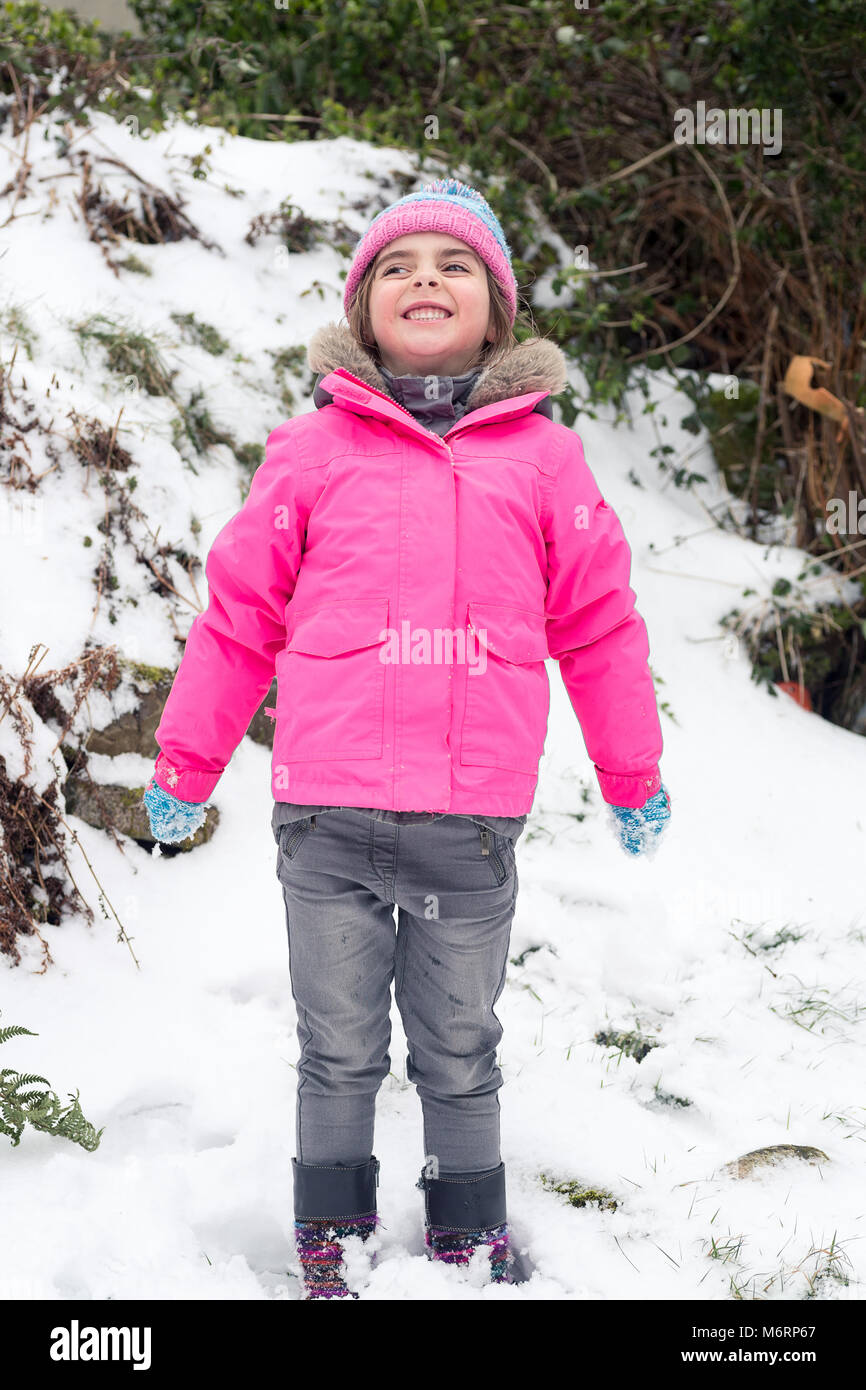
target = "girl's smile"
x: 427, y: 315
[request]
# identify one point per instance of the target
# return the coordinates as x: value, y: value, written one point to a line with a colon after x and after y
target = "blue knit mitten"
x: 172, y: 820
x: 638, y: 828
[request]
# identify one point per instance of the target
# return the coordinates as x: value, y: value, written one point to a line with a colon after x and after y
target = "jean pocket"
x: 505, y: 848
x: 292, y: 835
x: 498, y: 851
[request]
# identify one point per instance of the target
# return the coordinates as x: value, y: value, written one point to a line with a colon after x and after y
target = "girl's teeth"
x: 426, y: 314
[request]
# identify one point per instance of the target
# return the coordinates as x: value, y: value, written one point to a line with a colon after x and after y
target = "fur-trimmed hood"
x: 534, y: 365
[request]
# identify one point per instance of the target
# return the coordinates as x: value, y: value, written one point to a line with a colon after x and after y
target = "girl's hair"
x: 503, y: 340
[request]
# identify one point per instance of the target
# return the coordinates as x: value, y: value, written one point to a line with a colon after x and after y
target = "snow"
x: 188, y: 1059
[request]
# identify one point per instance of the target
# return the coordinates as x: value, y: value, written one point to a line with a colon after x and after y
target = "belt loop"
x: 313, y: 822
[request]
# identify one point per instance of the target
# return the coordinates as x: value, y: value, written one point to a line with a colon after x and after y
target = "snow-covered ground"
x: 189, y: 1061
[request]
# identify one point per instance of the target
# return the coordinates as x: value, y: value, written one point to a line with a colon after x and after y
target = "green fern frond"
x: 41, y: 1109
x: 15, y: 1032
x: 24, y: 1079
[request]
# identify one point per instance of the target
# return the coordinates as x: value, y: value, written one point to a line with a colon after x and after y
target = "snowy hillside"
x: 738, y: 950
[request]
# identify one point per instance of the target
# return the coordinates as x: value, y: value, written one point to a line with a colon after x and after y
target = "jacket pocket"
x: 331, y: 681
x: 507, y: 690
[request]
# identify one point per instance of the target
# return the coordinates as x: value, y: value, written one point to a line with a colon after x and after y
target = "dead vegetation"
x: 154, y: 218
x: 36, y: 877
x: 296, y: 230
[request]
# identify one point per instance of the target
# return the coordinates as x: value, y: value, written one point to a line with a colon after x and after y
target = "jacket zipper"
x: 432, y: 433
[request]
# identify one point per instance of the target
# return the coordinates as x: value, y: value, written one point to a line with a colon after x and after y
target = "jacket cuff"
x: 626, y: 788
x: 186, y: 783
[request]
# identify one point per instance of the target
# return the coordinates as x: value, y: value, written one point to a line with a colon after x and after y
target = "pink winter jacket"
x: 407, y: 589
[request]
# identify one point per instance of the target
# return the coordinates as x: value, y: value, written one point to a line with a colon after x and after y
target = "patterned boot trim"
x: 321, y: 1253
x: 458, y: 1247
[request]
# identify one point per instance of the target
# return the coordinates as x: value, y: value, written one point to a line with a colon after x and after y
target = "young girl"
x: 409, y: 555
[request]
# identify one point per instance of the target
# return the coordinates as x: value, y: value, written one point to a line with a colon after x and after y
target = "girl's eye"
x: 397, y: 266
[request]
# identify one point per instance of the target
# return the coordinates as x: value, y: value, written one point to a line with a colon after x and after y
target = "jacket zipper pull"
x: 377, y: 1172
x: 485, y: 840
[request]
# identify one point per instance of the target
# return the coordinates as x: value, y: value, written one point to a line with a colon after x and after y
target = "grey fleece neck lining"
x: 448, y: 404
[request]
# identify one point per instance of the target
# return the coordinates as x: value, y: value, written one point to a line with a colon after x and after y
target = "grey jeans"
x: 454, y: 882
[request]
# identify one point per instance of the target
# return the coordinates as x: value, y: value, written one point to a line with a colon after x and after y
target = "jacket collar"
x: 535, y: 367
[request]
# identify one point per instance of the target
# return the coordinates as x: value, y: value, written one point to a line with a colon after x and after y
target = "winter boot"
x: 332, y: 1201
x: 464, y: 1211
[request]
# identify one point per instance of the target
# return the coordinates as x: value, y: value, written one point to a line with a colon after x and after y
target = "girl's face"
x: 438, y: 268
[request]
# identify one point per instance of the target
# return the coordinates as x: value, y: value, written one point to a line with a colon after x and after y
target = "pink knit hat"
x: 446, y: 205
